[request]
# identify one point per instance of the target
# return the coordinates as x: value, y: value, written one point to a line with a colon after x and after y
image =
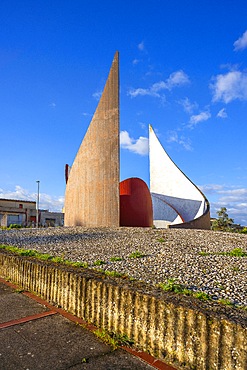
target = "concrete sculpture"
x: 177, y: 202
x: 92, y: 190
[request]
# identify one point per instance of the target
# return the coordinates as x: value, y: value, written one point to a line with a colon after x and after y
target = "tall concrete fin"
x: 92, y: 191
x: 177, y: 202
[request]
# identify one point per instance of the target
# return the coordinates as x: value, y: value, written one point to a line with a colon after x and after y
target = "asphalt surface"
x: 34, y: 336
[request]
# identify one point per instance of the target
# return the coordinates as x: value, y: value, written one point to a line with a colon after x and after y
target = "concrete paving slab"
x: 14, y: 305
x: 56, y: 343
x: 53, y: 342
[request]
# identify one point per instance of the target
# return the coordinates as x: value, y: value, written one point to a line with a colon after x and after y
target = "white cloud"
x: 19, y: 193
x: 53, y: 204
x: 47, y: 201
x: 97, y: 95
x: 125, y: 139
x: 211, y: 188
x: 188, y: 105
x: 136, y: 61
x: 239, y: 194
x: 241, y: 43
x: 196, y: 118
x: 230, y: 86
x: 181, y: 140
x: 158, y: 86
x: 233, y: 195
x: 141, y: 46
x: 176, y: 79
x: 138, y: 146
x: 234, y: 199
x: 142, y: 92
x: 222, y: 113
x: 143, y: 125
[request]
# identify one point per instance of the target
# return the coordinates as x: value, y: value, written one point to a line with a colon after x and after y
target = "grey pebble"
x: 177, y: 256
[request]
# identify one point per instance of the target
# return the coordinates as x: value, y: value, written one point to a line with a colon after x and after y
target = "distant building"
x: 20, y: 212
x: 23, y: 212
x: 47, y: 219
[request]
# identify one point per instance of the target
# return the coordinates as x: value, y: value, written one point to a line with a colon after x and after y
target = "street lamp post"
x: 37, y: 206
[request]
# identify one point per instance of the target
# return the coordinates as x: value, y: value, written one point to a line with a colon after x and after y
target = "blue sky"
x: 183, y: 69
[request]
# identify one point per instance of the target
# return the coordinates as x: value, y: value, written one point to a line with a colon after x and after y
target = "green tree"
x: 223, y: 222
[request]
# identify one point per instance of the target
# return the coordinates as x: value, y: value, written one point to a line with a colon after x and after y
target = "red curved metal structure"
x: 135, y: 203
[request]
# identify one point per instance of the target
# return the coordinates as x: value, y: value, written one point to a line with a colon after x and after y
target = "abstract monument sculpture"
x: 94, y: 197
x: 92, y: 190
x: 177, y: 202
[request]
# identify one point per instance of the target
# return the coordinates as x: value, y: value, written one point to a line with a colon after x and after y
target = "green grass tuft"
x: 113, y: 339
x: 98, y: 263
x: 204, y: 253
x: 79, y: 264
x: 115, y: 259
x: 226, y: 302
x: 161, y: 240
x: 41, y: 256
x: 57, y: 259
x: 19, y: 290
x: 236, y: 252
x: 201, y: 295
x: 172, y: 286
x: 113, y: 273
x: 136, y: 254
x: 45, y: 257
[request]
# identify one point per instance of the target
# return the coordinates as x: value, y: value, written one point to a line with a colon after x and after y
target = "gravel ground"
x: 189, y: 256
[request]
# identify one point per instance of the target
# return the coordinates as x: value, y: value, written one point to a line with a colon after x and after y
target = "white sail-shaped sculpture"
x: 177, y: 202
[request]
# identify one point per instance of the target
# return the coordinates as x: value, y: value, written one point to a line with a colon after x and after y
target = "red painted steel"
x: 67, y: 170
x: 135, y: 203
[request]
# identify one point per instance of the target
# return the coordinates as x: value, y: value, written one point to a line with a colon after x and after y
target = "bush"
x: 223, y: 223
x: 14, y: 226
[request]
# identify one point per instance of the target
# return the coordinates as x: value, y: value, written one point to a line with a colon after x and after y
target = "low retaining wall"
x: 183, y: 331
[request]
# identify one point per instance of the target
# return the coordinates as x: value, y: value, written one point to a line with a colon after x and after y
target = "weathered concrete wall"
x: 92, y: 191
x: 185, y: 332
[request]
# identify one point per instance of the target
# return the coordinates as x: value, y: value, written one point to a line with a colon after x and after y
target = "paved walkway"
x: 35, y: 335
